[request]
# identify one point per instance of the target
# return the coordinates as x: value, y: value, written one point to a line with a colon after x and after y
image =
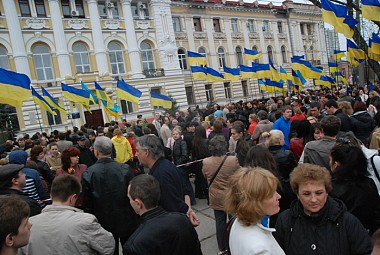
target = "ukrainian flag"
x: 199, y: 73
x: 339, y: 77
x: 14, y: 87
x: 292, y: 87
x: 262, y: 71
x: 333, y: 67
x: 262, y: 85
x: 100, y: 92
x: 78, y: 96
x: 213, y: 75
x: 251, y: 54
x: 372, y: 52
x: 306, y: 69
x: 275, y: 75
x: 338, y: 54
x: 333, y: 14
x: 196, y: 59
x: 247, y: 72
x: 347, y: 27
x: 127, y: 92
x: 38, y: 99
x: 283, y: 74
x: 298, y: 79
x: 92, y: 95
x: 354, y: 51
x: 371, y: 9
x: 160, y: 100
x: 323, y: 81
x: 273, y: 86
x: 299, y: 56
x: 52, y: 102
x: 114, y: 111
x: 232, y: 74
x: 375, y: 43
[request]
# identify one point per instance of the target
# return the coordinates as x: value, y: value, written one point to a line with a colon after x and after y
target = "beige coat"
x: 217, y: 190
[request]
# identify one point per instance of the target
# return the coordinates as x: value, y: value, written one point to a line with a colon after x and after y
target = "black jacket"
x: 362, y: 125
x: 163, y: 233
x: 86, y: 156
x: 334, y: 232
x: 105, y: 186
x: 35, y: 208
x: 345, y: 125
x: 285, y: 160
x: 180, y: 152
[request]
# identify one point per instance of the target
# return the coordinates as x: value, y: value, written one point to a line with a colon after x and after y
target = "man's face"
x: 132, y: 202
x: 101, y: 134
x: 157, y: 116
x: 175, y: 123
x: 20, y: 180
x: 142, y: 155
x: 166, y: 120
x: 177, y: 115
x: 191, y: 129
x: 22, y: 237
x: 287, y: 114
x: 82, y: 143
x: 314, y: 111
x: 91, y: 137
x: 21, y: 143
x: 329, y: 110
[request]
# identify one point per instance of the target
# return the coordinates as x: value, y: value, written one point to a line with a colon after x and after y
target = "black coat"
x: 33, y: 205
x: 180, y: 152
x: 105, y: 186
x: 163, y: 233
x: 345, y: 125
x: 86, y: 156
x: 362, y: 125
x: 334, y: 232
x: 285, y: 160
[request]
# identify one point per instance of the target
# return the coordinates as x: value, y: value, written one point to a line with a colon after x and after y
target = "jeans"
x: 220, y: 224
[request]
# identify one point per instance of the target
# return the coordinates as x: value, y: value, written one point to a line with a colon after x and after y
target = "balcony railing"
x: 151, y: 73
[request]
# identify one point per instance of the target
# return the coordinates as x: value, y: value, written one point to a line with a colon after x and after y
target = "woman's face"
x: 271, y: 205
x: 333, y: 164
x: 54, y: 150
x: 74, y: 160
x: 41, y: 156
x: 176, y: 135
x: 235, y: 135
x: 312, y: 195
x: 318, y: 134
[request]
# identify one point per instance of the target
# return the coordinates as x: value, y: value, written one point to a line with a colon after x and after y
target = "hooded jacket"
x: 334, y: 232
x: 362, y: 125
x: 123, y: 149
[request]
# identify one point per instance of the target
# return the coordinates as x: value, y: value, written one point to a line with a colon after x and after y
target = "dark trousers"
x: 220, y: 224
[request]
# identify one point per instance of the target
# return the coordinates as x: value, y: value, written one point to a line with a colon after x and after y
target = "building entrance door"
x: 95, y: 119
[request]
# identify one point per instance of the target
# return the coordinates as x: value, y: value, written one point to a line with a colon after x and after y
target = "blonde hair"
x: 247, y: 190
x: 177, y: 129
x: 272, y: 137
x: 346, y: 107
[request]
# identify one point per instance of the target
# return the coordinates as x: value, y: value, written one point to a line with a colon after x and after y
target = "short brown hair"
x: 64, y: 186
x: 247, y: 189
x: 309, y: 172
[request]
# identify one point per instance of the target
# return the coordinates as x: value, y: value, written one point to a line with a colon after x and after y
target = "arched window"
x: 256, y: 60
x: 283, y: 53
x: 4, y: 63
x: 81, y: 58
x: 202, y: 50
x: 312, y: 52
x: 116, y: 58
x: 305, y: 52
x: 239, y: 55
x: 222, y: 57
x: 270, y: 53
x: 147, y: 56
x: 43, y: 63
x: 182, y: 59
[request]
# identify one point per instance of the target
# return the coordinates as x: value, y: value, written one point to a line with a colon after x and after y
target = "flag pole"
x: 66, y: 102
x: 38, y: 117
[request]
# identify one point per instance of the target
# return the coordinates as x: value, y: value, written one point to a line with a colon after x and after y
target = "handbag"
x: 217, y: 171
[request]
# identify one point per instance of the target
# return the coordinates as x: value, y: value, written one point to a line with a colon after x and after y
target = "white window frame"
x: 118, y: 63
x: 46, y: 66
x: 182, y: 59
x: 149, y: 62
x: 221, y: 57
x: 79, y: 57
x: 234, y: 25
x: 177, y: 24
x: 251, y: 25
x: 4, y: 61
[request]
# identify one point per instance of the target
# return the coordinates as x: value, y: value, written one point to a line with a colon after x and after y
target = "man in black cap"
x: 86, y: 156
x: 12, y: 180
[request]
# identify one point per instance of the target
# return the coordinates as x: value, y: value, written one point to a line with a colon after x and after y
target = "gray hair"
x: 153, y: 144
x: 218, y: 146
x: 104, y: 145
x: 273, y: 107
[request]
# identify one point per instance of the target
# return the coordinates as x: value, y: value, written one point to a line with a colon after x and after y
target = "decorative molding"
x: 143, y: 24
x: 76, y: 24
x: 219, y: 35
x: 180, y: 36
x: 237, y: 35
x: 268, y: 35
x: 254, y: 36
x: 111, y: 24
x: 35, y: 23
x: 281, y: 36
x: 200, y: 35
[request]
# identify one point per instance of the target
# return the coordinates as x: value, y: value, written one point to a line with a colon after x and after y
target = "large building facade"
x: 146, y: 43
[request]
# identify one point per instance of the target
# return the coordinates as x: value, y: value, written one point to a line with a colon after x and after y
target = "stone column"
x: 211, y: 43
x: 277, y: 48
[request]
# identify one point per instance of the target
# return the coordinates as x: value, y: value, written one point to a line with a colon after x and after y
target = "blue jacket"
x: 284, y: 126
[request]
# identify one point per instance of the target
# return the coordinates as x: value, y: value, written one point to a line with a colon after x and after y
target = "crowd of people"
x: 294, y: 174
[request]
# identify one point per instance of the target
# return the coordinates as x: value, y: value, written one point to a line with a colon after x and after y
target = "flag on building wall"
x: 38, y: 99
x: 196, y: 59
x: 262, y: 71
x: 78, y: 96
x: 232, y: 74
x: 14, y: 87
x: 160, y: 100
x: 371, y: 9
x: 92, y: 95
x: 251, y: 54
x: 198, y: 72
x: 213, y: 75
x: 52, y: 102
x: 127, y: 92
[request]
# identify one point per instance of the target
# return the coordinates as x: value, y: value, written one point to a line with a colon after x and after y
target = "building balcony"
x: 152, y: 73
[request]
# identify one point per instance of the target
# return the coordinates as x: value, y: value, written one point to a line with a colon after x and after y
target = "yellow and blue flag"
x: 339, y: 77
x: 127, y: 92
x: 38, y: 99
x: 275, y: 75
x: 52, y: 102
x: 263, y: 71
x: 75, y: 95
x: 298, y: 79
x: 102, y: 95
x: 273, y: 86
x: 338, y: 54
x: 251, y: 54
x: 375, y: 43
x: 336, y: 15
x: 14, y: 87
x: 160, y: 100
x: 262, y: 85
x: 371, y: 9
x: 232, y: 74
x: 306, y: 69
x: 247, y: 72
x: 299, y: 57
x: 213, y: 75
x: 198, y: 72
x: 113, y: 111
x: 323, y: 81
x: 283, y: 74
x: 373, y: 53
x: 354, y: 51
x: 92, y: 95
x: 333, y: 67
x: 196, y: 59
x: 292, y: 86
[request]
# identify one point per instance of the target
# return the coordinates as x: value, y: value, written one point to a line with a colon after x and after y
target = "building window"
x: 239, y: 56
x: 40, y: 8
x: 135, y: 12
x: 283, y: 53
x: 312, y: 52
x: 182, y: 59
x: 190, y: 95
x: 197, y: 24
x: 82, y: 62
x: 147, y: 56
x: 266, y: 27
x: 305, y: 52
x: 115, y: 10
x: 4, y: 63
x: 126, y: 106
x: 66, y: 10
x: 227, y: 89
x: 234, y: 25
x: 79, y: 8
x: 279, y: 27
x: 309, y: 28
x: 158, y: 91
x: 209, y: 93
x: 256, y: 60
x: 302, y: 29
x: 244, y: 88
x: 251, y: 25
x: 116, y: 58
x: 176, y: 24
x: 102, y: 9
x: 270, y: 54
x: 216, y: 23
x: 202, y: 50
x: 54, y: 119
x: 43, y: 63
x: 69, y: 12
x: 222, y: 57
x: 24, y: 8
